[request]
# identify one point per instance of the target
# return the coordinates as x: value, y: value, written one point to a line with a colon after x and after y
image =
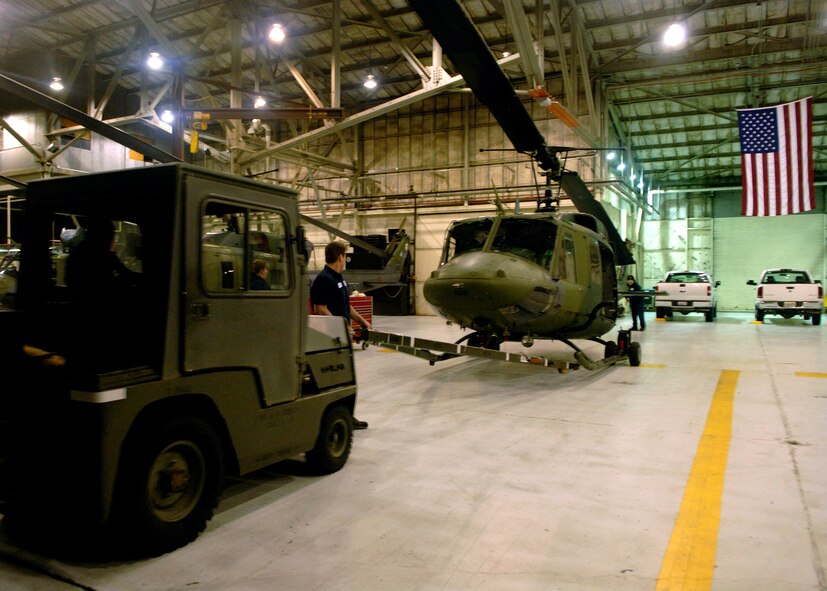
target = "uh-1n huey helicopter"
x: 514, y: 276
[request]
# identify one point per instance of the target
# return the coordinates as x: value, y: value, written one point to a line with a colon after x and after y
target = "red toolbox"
x: 363, y: 305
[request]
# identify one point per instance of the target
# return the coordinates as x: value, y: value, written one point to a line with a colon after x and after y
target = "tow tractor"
x: 127, y: 405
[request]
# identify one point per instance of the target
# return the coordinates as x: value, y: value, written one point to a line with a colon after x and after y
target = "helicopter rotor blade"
x: 462, y: 42
x: 464, y: 45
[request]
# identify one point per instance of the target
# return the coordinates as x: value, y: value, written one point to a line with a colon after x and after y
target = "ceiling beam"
x: 654, y: 63
x: 38, y: 98
x: 366, y: 115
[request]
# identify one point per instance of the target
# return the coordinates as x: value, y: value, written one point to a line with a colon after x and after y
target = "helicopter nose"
x: 493, y: 281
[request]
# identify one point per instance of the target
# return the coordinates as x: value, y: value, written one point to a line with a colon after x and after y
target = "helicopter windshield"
x: 531, y: 239
x: 528, y: 238
x: 466, y: 237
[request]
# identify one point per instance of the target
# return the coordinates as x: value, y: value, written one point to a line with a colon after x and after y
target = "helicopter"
x: 514, y: 276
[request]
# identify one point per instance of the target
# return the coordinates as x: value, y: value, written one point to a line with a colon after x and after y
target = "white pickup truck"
x: 788, y: 293
x: 685, y: 292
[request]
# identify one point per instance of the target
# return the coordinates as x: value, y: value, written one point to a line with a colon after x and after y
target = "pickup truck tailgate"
x: 790, y: 292
x: 683, y: 292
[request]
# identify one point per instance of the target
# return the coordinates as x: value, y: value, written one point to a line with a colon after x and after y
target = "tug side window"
x: 235, y: 241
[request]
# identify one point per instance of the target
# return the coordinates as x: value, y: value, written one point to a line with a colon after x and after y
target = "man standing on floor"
x: 637, y: 303
x: 330, y: 296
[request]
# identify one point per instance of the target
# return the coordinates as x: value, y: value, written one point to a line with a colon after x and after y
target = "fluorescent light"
x: 674, y: 35
x: 370, y: 81
x: 277, y: 33
x: 155, y: 61
x: 56, y: 84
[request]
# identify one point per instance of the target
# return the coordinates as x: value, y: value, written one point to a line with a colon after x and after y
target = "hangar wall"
x: 732, y: 247
x: 747, y: 246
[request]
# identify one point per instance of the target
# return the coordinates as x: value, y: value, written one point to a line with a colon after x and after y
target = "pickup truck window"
x: 687, y: 278
x: 785, y: 277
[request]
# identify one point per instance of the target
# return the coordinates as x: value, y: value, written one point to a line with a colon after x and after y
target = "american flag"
x: 777, y: 158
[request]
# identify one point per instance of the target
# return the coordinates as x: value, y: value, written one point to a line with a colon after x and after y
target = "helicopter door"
x: 567, y: 263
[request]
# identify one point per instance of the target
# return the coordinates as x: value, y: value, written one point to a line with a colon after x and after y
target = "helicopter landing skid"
x: 434, y: 351
x: 614, y: 351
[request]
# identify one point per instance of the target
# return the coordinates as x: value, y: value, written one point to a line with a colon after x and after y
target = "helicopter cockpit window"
x: 243, y: 250
x: 531, y: 239
x: 466, y: 237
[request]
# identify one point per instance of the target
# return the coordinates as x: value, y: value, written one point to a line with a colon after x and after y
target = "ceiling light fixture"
x: 155, y: 61
x: 621, y: 167
x: 259, y: 102
x: 167, y: 116
x: 370, y: 81
x: 56, y: 83
x: 277, y: 33
x: 610, y: 156
x: 675, y: 35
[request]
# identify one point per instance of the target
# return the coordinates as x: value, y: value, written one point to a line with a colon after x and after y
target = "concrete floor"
x: 478, y: 474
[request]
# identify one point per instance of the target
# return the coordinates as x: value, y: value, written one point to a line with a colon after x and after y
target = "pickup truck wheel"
x: 709, y: 315
x: 759, y: 315
x: 172, y: 476
x: 334, y: 442
x: 634, y: 354
x: 816, y: 319
x: 660, y: 312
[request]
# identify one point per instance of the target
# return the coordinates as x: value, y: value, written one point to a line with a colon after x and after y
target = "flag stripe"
x: 776, y: 159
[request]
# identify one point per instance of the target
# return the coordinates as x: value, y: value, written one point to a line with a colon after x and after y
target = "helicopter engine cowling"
x: 496, y: 291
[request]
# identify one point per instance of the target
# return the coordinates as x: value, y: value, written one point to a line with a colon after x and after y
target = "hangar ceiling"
x: 672, y: 110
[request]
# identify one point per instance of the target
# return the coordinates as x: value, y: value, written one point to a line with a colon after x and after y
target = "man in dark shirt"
x: 331, y: 297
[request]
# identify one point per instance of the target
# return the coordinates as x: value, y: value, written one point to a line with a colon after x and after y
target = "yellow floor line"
x: 689, y: 562
x: 810, y: 374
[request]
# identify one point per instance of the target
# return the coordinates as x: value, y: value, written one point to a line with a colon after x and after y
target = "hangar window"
x: 243, y: 250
